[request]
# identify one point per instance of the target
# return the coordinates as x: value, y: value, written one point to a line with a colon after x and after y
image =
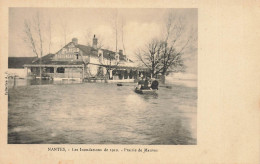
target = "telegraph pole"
x: 109, y: 65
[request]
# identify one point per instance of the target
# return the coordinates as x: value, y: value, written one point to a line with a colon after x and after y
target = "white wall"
x: 94, y: 60
x: 20, y: 72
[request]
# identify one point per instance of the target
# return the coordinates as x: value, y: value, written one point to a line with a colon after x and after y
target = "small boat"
x: 152, y: 90
x: 145, y: 91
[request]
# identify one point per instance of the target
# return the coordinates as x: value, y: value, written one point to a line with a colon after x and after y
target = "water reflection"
x: 17, y: 82
x: 149, y: 96
x: 100, y: 113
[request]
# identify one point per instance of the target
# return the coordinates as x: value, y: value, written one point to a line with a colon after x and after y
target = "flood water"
x: 100, y: 113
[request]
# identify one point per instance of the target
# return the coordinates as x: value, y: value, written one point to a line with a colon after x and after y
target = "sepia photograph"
x: 125, y: 76
x: 129, y: 82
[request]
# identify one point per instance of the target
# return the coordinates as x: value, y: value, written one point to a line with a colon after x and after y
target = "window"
x: 60, y: 70
x: 77, y: 56
x: 50, y: 70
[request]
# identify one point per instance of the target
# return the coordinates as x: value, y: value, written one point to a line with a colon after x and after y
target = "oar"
x: 166, y: 86
x: 120, y: 84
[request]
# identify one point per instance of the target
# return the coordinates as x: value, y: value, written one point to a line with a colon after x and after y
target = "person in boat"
x: 155, y: 84
x: 147, y: 83
x: 140, y: 83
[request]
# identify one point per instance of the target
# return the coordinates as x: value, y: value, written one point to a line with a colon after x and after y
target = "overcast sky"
x: 139, y: 27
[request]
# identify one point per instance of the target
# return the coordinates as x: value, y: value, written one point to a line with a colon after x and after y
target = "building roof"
x: 106, y: 54
x: 47, y: 60
x: 88, y: 50
x: 18, y: 62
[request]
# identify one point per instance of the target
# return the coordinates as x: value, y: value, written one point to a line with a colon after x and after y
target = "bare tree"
x: 38, y: 22
x: 165, y: 56
x: 29, y: 37
x: 100, y: 42
x: 151, y: 55
x: 177, y: 40
x: 116, y: 26
x: 50, y: 34
x: 35, y: 37
x: 122, y: 34
x: 169, y: 60
x: 89, y: 36
x: 113, y: 20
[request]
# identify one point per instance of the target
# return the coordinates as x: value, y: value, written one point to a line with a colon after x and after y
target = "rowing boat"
x: 145, y: 91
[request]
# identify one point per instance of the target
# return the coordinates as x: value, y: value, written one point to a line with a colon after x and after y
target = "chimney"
x: 75, y: 41
x: 95, y: 41
x: 121, y: 52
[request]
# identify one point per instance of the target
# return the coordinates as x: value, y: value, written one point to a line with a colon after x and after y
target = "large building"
x: 76, y: 61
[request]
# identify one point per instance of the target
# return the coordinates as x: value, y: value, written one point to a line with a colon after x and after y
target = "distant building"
x: 76, y: 61
x: 16, y: 65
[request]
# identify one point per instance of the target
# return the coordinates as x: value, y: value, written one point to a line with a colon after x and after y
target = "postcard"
x: 118, y: 82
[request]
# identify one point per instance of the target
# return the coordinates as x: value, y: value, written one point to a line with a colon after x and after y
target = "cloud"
x: 138, y: 34
x: 140, y: 26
